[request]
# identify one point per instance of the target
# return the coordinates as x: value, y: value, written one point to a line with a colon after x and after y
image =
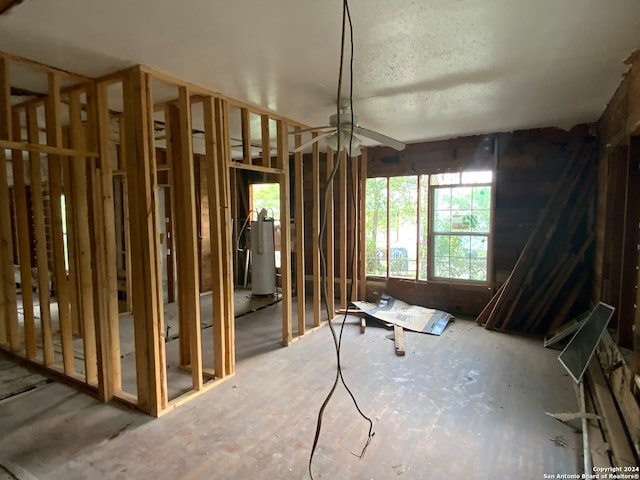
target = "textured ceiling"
x: 423, y: 69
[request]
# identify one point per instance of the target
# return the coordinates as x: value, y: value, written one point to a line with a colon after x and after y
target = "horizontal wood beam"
x: 48, y: 149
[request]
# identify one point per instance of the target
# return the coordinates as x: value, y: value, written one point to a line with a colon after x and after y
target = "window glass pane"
x: 265, y: 195
x: 423, y: 213
x: 403, y: 231
x: 478, y: 246
x: 484, y: 176
x: 445, y: 179
x: 442, y: 221
x: 376, y: 227
x: 442, y: 199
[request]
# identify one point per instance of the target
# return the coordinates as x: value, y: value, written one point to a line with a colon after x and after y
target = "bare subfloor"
x: 468, y: 404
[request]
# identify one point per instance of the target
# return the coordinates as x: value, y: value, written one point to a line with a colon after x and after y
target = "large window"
x: 429, y: 226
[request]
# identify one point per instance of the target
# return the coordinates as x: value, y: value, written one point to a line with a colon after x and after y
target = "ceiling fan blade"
x: 310, y: 129
x: 315, y: 139
x: 378, y: 137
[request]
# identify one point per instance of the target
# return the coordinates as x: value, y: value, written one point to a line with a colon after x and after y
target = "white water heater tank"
x: 263, y: 259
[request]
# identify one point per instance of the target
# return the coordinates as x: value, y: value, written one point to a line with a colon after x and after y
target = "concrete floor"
x: 468, y: 404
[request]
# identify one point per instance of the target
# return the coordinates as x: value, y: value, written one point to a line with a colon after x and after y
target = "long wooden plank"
x: 5, y: 108
x: 398, y: 340
x: 224, y: 160
x: 54, y: 138
x: 8, y: 303
x: 48, y: 149
x: 83, y: 240
x: 215, y: 233
x: 246, y: 135
x: 285, y: 231
x: 353, y: 222
x: 24, y: 244
x: 343, y: 243
x: 362, y: 266
x: 39, y: 229
x: 148, y: 318
x: 315, y: 230
x: 255, y: 168
x: 186, y: 241
x: 330, y: 241
x: 72, y: 249
x: 105, y: 279
x: 265, y: 140
x: 616, y: 436
x: 174, y: 152
x: 299, y: 223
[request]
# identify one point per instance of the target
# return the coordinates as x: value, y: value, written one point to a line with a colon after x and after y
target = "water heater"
x: 263, y: 260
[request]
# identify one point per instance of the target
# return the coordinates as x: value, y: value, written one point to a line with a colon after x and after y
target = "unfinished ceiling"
x: 423, y: 69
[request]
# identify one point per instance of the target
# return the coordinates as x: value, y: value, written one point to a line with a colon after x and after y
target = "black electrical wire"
x: 337, y: 340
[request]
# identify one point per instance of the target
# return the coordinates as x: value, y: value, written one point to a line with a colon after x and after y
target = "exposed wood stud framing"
x: 354, y: 215
x: 299, y: 226
x: 342, y: 231
x: 80, y: 204
x: 54, y: 138
x: 104, y: 251
x: 214, y: 192
x: 37, y: 203
x: 362, y: 265
x: 315, y: 231
x: 285, y: 231
x: 330, y: 241
x: 8, y: 307
x: 186, y: 241
x: 24, y: 244
x: 224, y: 160
x: 246, y: 135
x: 148, y: 318
x: 266, y: 141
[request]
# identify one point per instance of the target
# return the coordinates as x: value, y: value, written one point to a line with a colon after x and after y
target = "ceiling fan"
x: 344, y: 126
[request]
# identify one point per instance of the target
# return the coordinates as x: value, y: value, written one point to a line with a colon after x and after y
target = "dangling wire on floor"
x: 337, y: 339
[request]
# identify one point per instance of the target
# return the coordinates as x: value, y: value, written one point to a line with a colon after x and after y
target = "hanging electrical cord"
x: 337, y: 339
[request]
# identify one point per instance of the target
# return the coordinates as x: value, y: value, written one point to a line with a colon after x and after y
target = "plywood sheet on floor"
x: 467, y: 404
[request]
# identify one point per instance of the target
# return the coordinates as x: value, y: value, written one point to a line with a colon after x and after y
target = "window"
x: 429, y: 226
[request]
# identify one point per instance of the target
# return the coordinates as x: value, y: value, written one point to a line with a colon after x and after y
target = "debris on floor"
x: 391, y: 311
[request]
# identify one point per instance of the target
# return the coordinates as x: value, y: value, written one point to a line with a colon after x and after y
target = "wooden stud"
x: 24, y: 244
x: 299, y: 223
x: 54, y: 138
x: 224, y: 160
x: 216, y: 233
x: 174, y: 152
x: 73, y: 272
x: 246, y: 135
x: 125, y: 205
x: 8, y: 302
x: 398, y: 340
x: 80, y: 201
x: 330, y: 241
x: 285, y: 235
x: 42, y: 264
x: 354, y: 215
x: 266, y: 140
x: 186, y: 241
x: 148, y: 317
x: 105, y: 278
x: 315, y: 229
x: 362, y: 251
x: 343, y: 243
